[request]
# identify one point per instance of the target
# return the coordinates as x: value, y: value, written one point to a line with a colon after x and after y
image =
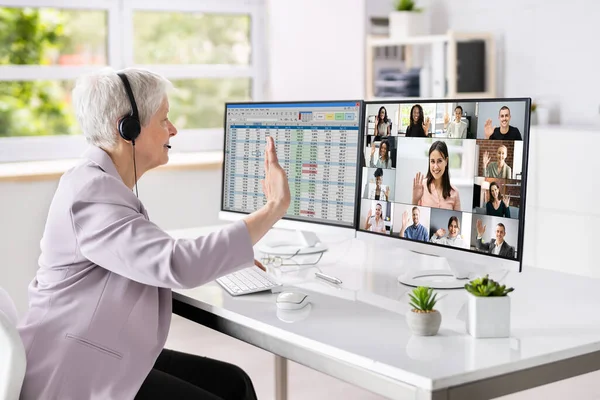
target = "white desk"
x: 358, y: 332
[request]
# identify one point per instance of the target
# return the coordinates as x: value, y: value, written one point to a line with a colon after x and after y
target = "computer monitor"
x: 446, y: 179
x: 317, y: 144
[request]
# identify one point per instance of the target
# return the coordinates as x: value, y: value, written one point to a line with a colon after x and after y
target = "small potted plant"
x: 423, y: 319
x: 406, y: 20
x: 488, y: 314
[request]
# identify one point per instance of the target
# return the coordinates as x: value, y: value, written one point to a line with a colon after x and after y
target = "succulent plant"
x: 406, y: 5
x: 423, y: 299
x: 486, y: 287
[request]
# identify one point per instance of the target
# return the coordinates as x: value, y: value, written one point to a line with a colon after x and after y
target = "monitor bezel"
x: 358, y: 164
x: 439, y: 249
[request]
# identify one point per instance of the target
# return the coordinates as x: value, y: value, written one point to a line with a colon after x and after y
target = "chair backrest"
x: 12, y: 351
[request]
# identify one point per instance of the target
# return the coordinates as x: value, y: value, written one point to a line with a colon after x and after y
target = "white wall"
x: 547, y: 50
x: 314, y: 52
x: 174, y: 199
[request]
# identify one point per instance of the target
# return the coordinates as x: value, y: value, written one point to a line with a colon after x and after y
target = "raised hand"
x: 506, y: 200
x: 405, y: 219
x: 275, y: 185
x: 446, y: 119
x: 372, y: 149
x: 486, y: 160
x: 387, y: 193
x: 426, y: 125
x: 377, y: 125
x: 440, y: 232
x: 480, y: 228
x: 417, y: 188
x: 488, y: 129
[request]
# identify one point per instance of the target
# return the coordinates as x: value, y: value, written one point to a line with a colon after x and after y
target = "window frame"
x: 120, y: 55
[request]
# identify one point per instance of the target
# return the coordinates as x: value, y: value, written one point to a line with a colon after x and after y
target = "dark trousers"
x: 184, y: 376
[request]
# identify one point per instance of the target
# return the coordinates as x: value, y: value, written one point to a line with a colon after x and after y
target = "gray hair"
x: 100, y: 101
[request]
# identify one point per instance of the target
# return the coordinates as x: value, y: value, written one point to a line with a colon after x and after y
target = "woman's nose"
x: 172, y: 129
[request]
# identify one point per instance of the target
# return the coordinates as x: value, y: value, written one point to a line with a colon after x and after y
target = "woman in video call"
x: 375, y: 223
x: 499, y: 168
x: 382, y: 123
x: 435, y: 189
x: 457, y: 128
x: 381, y: 160
x: 379, y: 191
x: 418, y: 126
x: 453, y: 238
x: 498, y: 204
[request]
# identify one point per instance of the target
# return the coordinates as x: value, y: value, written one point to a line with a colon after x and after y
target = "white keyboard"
x: 247, y: 280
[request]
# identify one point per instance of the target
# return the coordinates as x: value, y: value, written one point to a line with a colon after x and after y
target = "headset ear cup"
x: 129, y: 128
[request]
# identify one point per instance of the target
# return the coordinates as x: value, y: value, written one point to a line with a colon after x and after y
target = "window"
x: 212, y: 51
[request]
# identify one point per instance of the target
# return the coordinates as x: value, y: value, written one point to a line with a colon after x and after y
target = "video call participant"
x: 505, y: 131
x: 375, y: 223
x: 435, y: 190
x: 499, y: 168
x: 497, y: 246
x: 457, y: 128
x: 416, y: 231
x: 453, y: 239
x: 498, y: 204
x: 382, y: 159
x: 379, y: 191
x: 383, y: 126
x: 418, y: 126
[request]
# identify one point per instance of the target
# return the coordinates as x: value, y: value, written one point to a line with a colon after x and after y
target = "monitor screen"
x: 317, y: 144
x: 447, y: 173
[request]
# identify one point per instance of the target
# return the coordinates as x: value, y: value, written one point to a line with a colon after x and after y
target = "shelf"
x: 386, y: 41
x: 438, y: 63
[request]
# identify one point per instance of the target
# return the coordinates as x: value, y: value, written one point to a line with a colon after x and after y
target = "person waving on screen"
x: 383, y: 125
x: 499, y: 168
x: 418, y: 125
x: 505, y: 131
x: 497, y: 246
x: 435, y: 189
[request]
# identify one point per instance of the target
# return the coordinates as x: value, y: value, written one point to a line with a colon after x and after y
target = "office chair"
x: 12, y: 351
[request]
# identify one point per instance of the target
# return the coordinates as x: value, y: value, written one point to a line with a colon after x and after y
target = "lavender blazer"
x: 100, y: 303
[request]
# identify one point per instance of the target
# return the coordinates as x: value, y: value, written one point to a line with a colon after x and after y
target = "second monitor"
x: 448, y: 178
x: 317, y: 145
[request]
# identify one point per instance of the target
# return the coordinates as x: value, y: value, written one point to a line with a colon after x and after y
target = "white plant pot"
x: 543, y: 116
x: 404, y: 24
x: 488, y: 317
x: 424, y: 324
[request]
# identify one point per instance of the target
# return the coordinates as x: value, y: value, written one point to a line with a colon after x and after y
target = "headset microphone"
x: 167, y: 146
x: 129, y: 125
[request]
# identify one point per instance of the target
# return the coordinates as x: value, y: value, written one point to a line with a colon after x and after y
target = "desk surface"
x: 359, y: 329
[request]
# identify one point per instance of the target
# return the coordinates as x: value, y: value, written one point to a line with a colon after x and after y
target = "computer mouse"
x: 291, y: 300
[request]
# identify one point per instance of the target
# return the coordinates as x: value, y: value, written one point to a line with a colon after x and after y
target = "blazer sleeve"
x: 112, y: 233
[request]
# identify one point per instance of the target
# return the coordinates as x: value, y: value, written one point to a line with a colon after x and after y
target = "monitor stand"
x: 437, y: 272
x: 306, y: 243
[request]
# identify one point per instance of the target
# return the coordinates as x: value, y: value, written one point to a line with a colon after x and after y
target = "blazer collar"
x: 102, y: 159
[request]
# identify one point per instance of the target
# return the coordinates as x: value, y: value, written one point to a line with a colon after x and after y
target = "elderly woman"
x: 100, y: 303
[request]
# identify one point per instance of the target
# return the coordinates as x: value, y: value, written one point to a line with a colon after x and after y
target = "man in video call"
x: 497, y: 246
x: 499, y: 168
x: 505, y: 131
x: 416, y: 231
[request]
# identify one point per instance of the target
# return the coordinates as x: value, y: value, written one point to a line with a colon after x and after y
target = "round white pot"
x: 424, y: 323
